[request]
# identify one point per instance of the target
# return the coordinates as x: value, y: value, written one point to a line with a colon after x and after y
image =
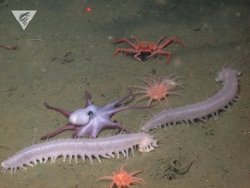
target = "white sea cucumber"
x: 73, y: 148
x: 200, y: 111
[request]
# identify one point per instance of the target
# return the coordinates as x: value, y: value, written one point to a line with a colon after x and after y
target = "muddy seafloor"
x: 65, y: 51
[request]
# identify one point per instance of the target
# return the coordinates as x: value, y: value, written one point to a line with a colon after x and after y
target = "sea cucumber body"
x: 201, y: 110
x: 100, y: 147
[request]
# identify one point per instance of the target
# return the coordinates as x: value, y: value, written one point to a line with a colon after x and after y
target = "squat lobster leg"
x: 126, y: 41
x: 160, y: 40
x: 167, y: 54
x: 128, y: 50
x: 170, y: 41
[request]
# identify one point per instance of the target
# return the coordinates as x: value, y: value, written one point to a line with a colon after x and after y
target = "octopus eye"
x: 90, y: 113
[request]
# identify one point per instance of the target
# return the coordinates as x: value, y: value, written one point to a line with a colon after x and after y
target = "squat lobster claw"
x: 145, y: 49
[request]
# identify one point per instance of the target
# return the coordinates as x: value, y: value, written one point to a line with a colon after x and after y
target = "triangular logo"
x: 24, y: 16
